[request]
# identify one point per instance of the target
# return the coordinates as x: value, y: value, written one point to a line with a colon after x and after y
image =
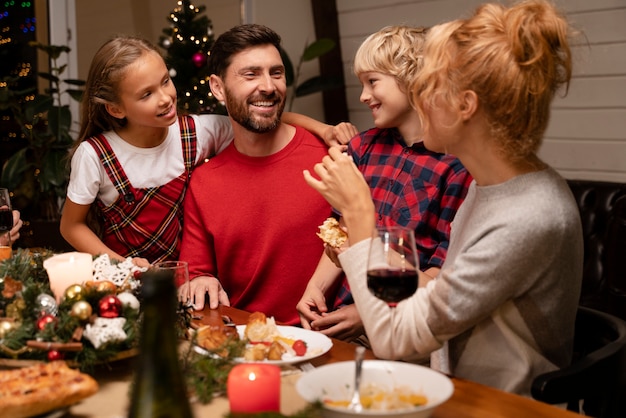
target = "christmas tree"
x: 187, y: 42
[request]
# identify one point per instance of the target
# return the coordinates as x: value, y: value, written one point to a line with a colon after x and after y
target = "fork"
x: 355, y: 403
x: 306, y: 367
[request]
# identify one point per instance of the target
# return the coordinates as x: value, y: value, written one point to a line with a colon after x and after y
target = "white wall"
x: 586, y: 138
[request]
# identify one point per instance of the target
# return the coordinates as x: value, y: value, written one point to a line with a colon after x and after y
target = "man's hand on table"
x: 198, y: 289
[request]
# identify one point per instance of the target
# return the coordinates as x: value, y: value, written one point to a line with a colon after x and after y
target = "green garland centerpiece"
x: 93, y: 323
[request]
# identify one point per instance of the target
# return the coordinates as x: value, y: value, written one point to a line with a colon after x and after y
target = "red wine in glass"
x: 391, y: 285
x: 392, y: 271
x: 6, y: 220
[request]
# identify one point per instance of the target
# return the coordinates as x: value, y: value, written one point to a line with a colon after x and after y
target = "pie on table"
x: 41, y: 388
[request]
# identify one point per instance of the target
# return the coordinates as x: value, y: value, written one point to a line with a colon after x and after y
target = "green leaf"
x: 14, y: 168
x: 49, y: 77
x: 75, y: 94
x: 54, y: 168
x: 317, y: 84
x: 289, y: 73
x: 42, y: 103
x: 317, y: 49
x: 53, y: 51
x: 74, y: 82
x: 59, y: 119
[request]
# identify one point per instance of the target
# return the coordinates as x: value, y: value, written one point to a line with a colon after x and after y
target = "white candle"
x: 67, y: 269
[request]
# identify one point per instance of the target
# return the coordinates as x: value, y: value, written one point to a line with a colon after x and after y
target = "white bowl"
x: 336, y: 381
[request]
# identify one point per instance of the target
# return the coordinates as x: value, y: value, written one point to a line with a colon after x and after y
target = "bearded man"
x: 250, y: 220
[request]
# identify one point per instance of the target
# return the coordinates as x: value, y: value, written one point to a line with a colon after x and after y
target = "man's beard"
x: 241, y: 114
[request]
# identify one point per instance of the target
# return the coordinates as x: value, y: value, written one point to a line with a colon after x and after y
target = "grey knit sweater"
x: 502, y: 309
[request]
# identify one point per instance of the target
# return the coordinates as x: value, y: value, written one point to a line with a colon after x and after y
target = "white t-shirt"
x: 144, y: 167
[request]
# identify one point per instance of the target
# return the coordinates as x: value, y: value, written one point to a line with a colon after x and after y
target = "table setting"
x: 52, y: 304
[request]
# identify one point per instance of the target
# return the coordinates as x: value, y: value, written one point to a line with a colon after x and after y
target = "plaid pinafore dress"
x: 146, y: 222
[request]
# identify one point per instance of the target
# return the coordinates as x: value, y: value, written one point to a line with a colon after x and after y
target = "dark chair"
x: 597, y: 375
x: 602, y: 207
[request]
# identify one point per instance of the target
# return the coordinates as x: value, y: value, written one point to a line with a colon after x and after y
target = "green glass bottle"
x: 159, y: 387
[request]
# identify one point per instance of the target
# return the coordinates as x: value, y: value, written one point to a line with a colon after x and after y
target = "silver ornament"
x: 46, y: 304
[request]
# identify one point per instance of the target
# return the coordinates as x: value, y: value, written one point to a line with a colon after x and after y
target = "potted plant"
x: 38, y: 173
x: 315, y: 84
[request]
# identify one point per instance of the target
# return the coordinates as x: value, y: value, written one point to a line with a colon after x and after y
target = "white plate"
x: 317, y: 344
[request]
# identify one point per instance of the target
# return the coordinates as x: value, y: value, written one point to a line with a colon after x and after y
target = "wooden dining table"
x: 469, y: 400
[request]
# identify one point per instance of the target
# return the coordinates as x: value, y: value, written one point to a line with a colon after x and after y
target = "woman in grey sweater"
x: 502, y: 309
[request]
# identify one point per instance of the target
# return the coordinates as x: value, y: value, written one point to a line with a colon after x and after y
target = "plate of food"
x: 267, y: 342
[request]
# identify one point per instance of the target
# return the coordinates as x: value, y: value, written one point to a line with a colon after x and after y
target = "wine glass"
x: 180, y: 270
x: 6, y: 224
x: 392, y: 267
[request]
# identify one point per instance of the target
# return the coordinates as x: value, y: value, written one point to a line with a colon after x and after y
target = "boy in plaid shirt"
x: 410, y: 185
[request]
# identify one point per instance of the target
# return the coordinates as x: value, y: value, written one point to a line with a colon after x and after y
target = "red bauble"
x: 55, y: 355
x: 45, y: 320
x: 110, y: 307
x: 199, y: 59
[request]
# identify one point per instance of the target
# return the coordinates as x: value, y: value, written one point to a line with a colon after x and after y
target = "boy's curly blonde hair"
x: 393, y: 50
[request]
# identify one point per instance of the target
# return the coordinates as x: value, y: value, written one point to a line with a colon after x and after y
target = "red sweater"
x: 252, y: 223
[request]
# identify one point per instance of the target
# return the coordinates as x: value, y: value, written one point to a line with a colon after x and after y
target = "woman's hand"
x: 14, y: 233
x: 344, y: 187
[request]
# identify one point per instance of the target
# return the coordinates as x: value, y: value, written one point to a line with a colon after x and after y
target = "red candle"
x: 254, y: 388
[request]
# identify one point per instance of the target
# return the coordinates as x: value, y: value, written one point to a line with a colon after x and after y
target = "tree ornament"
x: 198, y: 59
x: 81, y: 310
x: 105, y: 330
x: 15, y: 308
x: 110, y: 307
x: 128, y: 299
x: 45, y: 304
x: 106, y: 286
x: 45, y: 320
x: 54, y: 355
x: 5, y: 328
x: 173, y: 72
x: 74, y: 293
x: 166, y: 43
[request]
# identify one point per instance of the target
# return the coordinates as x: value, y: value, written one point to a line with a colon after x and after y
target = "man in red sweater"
x: 250, y: 220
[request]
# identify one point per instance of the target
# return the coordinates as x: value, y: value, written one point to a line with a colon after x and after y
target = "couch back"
x: 602, y: 208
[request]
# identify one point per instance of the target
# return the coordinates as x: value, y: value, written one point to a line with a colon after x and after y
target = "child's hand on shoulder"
x: 340, y: 134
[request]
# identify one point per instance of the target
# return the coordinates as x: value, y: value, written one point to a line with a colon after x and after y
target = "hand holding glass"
x: 6, y: 224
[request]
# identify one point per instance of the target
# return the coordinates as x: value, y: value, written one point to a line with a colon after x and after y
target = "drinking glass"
x: 6, y: 224
x: 180, y: 270
x: 392, y: 267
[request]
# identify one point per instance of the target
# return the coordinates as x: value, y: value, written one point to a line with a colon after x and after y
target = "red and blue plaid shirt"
x: 411, y: 187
